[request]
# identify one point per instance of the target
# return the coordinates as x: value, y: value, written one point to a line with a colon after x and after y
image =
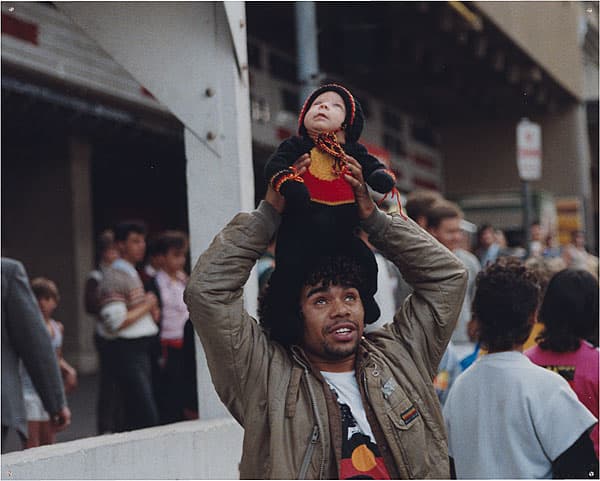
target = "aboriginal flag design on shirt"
x: 360, y: 455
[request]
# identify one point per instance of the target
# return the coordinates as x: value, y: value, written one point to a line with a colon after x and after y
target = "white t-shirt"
x: 508, y: 418
x: 346, y: 387
x: 386, y: 286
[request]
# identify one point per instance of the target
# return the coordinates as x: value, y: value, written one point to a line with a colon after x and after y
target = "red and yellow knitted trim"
x: 282, y: 176
x: 327, y: 142
x: 393, y: 193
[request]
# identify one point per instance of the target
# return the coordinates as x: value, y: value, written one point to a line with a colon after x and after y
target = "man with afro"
x: 317, y: 397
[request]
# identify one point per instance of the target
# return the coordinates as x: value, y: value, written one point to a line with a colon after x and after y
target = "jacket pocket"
x: 408, y: 430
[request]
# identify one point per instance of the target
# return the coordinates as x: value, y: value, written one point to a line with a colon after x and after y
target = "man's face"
x: 333, y: 325
x: 536, y: 232
x: 487, y: 237
x: 448, y: 232
x: 326, y: 114
x: 133, y: 248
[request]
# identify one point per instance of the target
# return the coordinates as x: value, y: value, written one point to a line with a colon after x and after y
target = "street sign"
x: 529, y: 150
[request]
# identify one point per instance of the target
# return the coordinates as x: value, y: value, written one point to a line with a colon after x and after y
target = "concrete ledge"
x: 187, y: 450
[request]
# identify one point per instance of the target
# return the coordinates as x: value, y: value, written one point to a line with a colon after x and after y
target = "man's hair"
x: 441, y: 210
x: 45, y: 289
x: 105, y: 241
x: 569, y: 310
x: 419, y: 201
x: 123, y: 229
x: 170, y: 239
x: 483, y: 228
x: 507, y: 295
x: 279, y: 308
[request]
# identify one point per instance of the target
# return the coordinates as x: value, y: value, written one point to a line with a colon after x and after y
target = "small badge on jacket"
x: 409, y: 415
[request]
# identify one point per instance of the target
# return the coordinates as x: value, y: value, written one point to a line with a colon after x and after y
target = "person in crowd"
x: 577, y: 257
x: 443, y: 223
x: 129, y: 316
x: 505, y: 416
x: 386, y: 286
x: 25, y: 339
x: 488, y: 248
x: 316, y: 398
x: 106, y: 254
x: 153, y: 261
x: 40, y: 429
x: 109, y: 409
x: 551, y: 247
x: 418, y: 203
x: 265, y: 266
x: 190, y: 388
x: 170, y: 281
x: 536, y: 239
x: 544, y: 268
x: 500, y: 239
x: 569, y: 314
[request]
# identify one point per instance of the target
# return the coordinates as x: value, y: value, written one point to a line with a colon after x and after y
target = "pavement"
x: 82, y: 403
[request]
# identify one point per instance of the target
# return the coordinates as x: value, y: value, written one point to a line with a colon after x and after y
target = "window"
x: 425, y: 135
x: 391, y: 120
x: 290, y: 100
x: 282, y: 68
x: 393, y: 144
x: 254, y: 57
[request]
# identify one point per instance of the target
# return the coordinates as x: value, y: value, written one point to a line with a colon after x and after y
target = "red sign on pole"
x: 529, y: 150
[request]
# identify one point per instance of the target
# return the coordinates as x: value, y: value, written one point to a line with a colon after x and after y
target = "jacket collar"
x: 363, y: 357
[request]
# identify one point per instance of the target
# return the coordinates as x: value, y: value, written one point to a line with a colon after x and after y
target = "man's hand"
x: 275, y: 198
x: 365, y: 204
x: 61, y: 419
x: 69, y: 378
x: 151, y: 300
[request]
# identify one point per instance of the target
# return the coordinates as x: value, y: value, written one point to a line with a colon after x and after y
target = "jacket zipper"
x: 314, y: 436
x: 365, y: 385
x: 309, y: 452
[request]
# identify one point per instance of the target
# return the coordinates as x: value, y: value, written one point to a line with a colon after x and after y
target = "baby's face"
x: 326, y: 114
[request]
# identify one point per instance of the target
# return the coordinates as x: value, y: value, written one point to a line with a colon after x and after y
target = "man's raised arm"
x: 234, y: 344
x: 427, y: 318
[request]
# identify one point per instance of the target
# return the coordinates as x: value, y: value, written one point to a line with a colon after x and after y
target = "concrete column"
x: 583, y: 171
x: 191, y: 56
x: 307, y: 48
x: 82, y: 231
x: 221, y: 183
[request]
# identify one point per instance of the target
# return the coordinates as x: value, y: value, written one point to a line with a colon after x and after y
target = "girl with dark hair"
x: 569, y: 313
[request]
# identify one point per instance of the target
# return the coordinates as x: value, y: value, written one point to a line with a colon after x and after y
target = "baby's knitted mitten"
x: 381, y: 181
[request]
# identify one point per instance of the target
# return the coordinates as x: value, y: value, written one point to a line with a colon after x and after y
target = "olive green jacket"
x: 292, y: 426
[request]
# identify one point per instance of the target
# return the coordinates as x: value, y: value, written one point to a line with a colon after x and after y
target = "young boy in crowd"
x: 40, y: 431
x: 505, y: 416
x: 168, y: 284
